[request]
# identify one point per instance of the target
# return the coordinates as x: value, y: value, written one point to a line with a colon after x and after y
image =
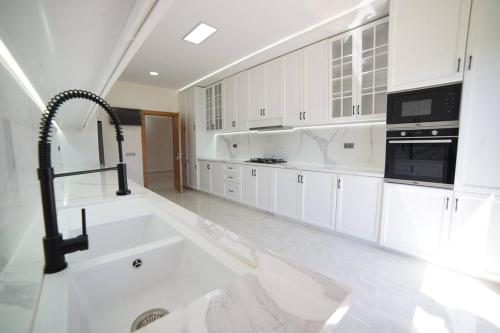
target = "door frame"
x: 177, y: 148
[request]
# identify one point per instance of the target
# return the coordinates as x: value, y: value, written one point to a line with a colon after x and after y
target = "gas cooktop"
x: 266, y: 160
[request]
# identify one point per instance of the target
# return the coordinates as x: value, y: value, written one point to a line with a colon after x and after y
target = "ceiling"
x: 68, y: 44
x: 244, y: 27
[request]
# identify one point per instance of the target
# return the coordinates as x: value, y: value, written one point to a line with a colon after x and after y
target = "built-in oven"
x: 429, y: 107
x: 421, y: 156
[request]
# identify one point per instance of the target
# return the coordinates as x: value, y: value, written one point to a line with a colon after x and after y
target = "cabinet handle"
x: 470, y: 63
x: 230, y: 177
x: 357, y: 110
x: 353, y: 110
x: 338, y: 183
x: 458, y: 65
x: 302, y: 179
x: 298, y: 179
x: 300, y: 115
x: 447, y: 202
x: 304, y: 115
x: 208, y: 166
x: 456, y: 204
x: 230, y: 191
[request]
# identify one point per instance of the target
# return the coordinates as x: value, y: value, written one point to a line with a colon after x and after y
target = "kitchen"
x: 351, y: 154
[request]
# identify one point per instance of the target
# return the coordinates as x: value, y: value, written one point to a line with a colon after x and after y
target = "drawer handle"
x: 231, y: 191
x: 230, y: 177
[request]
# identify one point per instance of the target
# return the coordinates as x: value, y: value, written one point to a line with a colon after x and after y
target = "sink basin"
x: 108, y: 295
x: 116, y: 236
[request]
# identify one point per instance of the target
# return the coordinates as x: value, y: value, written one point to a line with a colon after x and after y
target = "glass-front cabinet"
x: 358, y: 69
x: 213, y: 107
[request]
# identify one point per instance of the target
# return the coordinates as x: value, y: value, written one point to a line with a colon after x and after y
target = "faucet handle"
x: 84, y: 222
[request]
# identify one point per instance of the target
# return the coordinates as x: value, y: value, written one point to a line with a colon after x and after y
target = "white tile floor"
x: 391, y: 292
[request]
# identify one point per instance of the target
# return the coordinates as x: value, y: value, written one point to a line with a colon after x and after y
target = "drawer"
x: 232, y: 167
x: 232, y: 176
x: 232, y: 191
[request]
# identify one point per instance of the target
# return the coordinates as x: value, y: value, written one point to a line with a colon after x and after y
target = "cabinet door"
x: 293, y: 75
x: 478, y: 153
x: 474, y: 234
x: 247, y: 185
x: 342, y: 83
x: 256, y: 92
x: 315, y: 83
x: 415, y: 219
x: 218, y: 106
x: 205, y: 176
x: 428, y: 41
x: 358, y: 202
x: 209, y: 109
x: 274, y: 88
x: 287, y: 193
x: 229, y: 94
x: 193, y: 175
x: 372, y: 70
x: 318, y: 198
x: 264, y: 189
x: 242, y: 103
x: 217, y: 178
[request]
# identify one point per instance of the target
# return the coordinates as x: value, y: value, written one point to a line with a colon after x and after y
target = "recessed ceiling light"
x: 201, y: 32
x: 153, y: 73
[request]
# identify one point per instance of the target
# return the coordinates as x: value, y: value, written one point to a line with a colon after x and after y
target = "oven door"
x: 439, y: 105
x: 421, y: 161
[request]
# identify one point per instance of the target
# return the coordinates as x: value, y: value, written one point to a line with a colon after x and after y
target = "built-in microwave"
x: 422, y: 156
x: 429, y: 107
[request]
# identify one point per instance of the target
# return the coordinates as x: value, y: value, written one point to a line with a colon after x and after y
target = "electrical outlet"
x: 348, y: 145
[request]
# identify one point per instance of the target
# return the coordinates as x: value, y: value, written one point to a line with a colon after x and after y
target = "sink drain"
x: 147, y: 318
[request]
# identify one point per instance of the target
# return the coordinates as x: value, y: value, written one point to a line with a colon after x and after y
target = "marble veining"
x: 322, y: 145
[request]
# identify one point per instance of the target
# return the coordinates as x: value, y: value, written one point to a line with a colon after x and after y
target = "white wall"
x: 159, y: 143
x: 131, y: 95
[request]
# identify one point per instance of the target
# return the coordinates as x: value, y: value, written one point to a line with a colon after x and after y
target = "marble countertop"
x: 360, y: 171
x: 277, y: 296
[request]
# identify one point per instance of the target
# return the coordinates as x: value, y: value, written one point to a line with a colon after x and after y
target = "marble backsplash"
x: 321, y: 145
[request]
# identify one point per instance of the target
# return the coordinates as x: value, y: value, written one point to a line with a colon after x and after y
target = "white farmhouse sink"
x: 107, y: 296
x: 116, y: 236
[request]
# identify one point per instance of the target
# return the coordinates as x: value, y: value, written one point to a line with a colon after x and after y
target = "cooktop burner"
x: 266, y: 160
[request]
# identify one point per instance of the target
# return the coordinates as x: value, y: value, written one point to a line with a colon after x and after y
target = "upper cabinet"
x: 235, y: 93
x: 266, y: 90
x: 214, y: 107
x: 478, y: 153
x: 427, y: 42
x: 358, y: 67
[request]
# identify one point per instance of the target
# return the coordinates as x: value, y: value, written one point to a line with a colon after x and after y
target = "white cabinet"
x: 358, y: 73
x: 248, y: 185
x: 188, y: 110
x: 478, y: 156
x: 235, y: 102
x: 266, y: 90
x: 358, y: 202
x: 257, y: 186
x: 415, y: 219
x: 217, y: 175
x: 205, y: 176
x: 214, y: 107
x: 294, y: 87
x: 287, y: 193
x: 317, y: 198
x: 315, y: 83
x: 306, y: 85
x: 474, y: 234
x: 427, y: 42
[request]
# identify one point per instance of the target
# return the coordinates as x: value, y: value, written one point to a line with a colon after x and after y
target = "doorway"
x: 161, y: 151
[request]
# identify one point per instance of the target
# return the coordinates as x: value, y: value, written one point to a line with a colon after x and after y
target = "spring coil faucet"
x: 54, y: 246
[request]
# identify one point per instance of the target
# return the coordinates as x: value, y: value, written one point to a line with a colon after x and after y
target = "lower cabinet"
x: 192, y: 174
x: 257, y: 186
x: 318, y: 197
x: 205, y: 176
x: 217, y: 170
x: 415, y: 219
x: 358, y: 202
x: 474, y: 242
x: 287, y: 193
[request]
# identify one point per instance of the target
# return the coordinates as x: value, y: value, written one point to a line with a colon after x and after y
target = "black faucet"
x: 54, y: 246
